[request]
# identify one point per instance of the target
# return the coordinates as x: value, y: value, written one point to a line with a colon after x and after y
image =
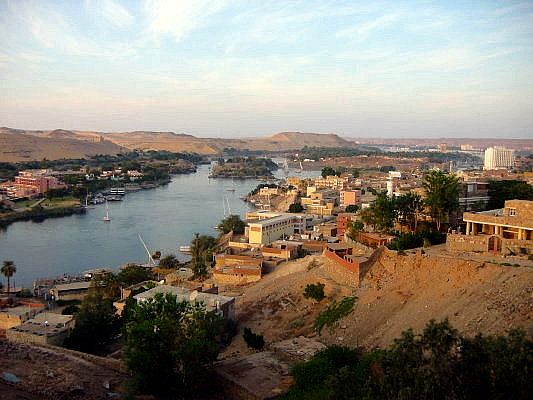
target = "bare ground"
x: 47, y: 373
x: 398, y: 292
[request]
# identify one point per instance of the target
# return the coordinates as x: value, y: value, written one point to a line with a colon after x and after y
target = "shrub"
x: 296, y: 208
x: 70, y: 310
x: 331, y: 316
x: 314, y: 291
x: 352, y: 208
x: 253, y: 340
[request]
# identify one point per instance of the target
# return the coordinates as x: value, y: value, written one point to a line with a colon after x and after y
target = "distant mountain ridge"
x: 19, y: 146
x: 22, y: 148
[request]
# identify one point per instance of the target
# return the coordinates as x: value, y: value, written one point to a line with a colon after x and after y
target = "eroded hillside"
x: 398, y: 292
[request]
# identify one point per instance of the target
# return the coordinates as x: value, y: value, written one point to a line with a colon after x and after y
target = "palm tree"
x: 8, y: 269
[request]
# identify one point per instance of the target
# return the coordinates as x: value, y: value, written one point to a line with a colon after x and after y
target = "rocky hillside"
x: 398, y: 292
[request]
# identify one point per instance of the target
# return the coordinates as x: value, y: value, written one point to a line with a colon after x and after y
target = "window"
x: 512, y: 212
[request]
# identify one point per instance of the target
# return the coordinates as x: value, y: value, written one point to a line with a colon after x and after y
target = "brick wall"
x: 342, y: 271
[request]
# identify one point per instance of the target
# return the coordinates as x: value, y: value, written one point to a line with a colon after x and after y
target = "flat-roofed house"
x: 14, y: 316
x: 265, y: 231
x: 506, y: 231
x: 224, y: 305
x: 44, y: 328
x: 70, y: 291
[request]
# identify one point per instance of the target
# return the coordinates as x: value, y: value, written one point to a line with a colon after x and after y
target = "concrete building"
x: 268, y: 191
x: 45, y: 328
x: 349, y: 198
x: 343, y: 224
x: 498, y: 157
x: 223, y: 305
x: 265, y: 231
x: 70, y: 291
x: 332, y: 182
x: 303, y: 223
x: 504, y: 231
x: 14, y: 316
x: 30, y: 183
x: 473, y: 193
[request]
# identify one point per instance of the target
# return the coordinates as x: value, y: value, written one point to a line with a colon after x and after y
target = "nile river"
x: 165, y: 217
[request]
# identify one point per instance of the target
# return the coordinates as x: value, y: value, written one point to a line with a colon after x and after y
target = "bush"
x: 314, y: 291
x: 296, y: 208
x: 253, y: 340
x: 437, y: 364
x: 352, y: 208
x: 331, y: 316
x: 70, y: 310
x: 410, y: 240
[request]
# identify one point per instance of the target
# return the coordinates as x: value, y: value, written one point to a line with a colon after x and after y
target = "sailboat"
x: 299, y: 171
x: 107, y: 218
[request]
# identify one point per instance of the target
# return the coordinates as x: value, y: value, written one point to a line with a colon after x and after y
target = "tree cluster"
x: 442, y: 199
x: 232, y: 223
x: 499, y: 191
x: 438, y: 364
x: 168, y: 345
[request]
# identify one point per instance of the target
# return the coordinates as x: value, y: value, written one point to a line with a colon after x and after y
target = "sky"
x: 248, y: 68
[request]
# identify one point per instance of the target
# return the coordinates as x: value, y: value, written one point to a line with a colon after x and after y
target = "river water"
x: 166, y: 218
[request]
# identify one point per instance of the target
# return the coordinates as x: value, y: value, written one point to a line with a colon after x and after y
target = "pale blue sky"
x: 249, y: 68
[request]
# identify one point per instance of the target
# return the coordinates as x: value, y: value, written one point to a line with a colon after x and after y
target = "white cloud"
x: 363, y: 31
x: 180, y: 18
x: 111, y: 12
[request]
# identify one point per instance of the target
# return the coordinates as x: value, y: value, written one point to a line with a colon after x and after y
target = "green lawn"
x: 26, y: 203
x: 60, y: 202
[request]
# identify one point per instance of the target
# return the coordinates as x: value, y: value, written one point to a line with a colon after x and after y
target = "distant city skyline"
x: 252, y: 68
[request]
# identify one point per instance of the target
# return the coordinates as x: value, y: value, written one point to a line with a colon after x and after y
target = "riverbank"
x: 38, y: 214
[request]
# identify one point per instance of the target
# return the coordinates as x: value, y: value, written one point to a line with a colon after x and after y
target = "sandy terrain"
x: 398, y: 292
x: 21, y: 147
x: 19, y: 144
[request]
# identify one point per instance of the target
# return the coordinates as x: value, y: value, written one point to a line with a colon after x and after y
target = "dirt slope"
x: 53, y: 373
x: 399, y: 292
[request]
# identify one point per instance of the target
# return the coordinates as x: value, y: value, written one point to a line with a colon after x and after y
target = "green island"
x: 244, y: 167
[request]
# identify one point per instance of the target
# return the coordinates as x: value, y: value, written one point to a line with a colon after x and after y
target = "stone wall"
x: 456, y: 242
x: 29, y: 338
x: 517, y: 246
x: 234, y: 279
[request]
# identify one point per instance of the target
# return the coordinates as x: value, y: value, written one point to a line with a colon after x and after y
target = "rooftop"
x: 271, y: 220
x: 45, y: 324
x: 73, y: 286
x: 18, y: 310
x: 183, y: 294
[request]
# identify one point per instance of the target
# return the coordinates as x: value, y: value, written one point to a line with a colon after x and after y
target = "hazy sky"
x: 248, y: 68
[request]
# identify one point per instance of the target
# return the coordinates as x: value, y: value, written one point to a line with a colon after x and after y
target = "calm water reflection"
x: 166, y: 217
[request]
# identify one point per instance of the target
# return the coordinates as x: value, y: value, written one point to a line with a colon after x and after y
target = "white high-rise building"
x: 498, y: 157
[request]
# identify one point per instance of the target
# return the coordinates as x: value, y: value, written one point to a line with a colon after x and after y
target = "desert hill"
x: 16, y: 145
x: 145, y: 140
x: 397, y: 293
x: 148, y: 140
